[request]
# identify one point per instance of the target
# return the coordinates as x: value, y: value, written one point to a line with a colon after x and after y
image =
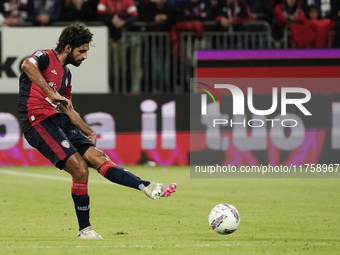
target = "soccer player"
x: 51, y: 125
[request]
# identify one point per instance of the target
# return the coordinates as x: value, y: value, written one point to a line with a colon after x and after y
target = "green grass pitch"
x: 278, y: 216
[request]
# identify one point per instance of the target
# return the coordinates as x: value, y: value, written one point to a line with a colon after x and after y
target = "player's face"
x: 291, y: 3
x: 78, y: 55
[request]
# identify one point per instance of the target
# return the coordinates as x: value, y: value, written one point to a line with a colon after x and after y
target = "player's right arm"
x: 78, y: 121
x: 30, y: 67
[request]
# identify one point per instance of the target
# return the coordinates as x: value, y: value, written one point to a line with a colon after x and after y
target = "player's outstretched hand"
x: 93, y: 137
x: 60, y: 100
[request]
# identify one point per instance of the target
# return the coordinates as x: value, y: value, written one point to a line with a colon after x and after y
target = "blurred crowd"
x: 309, y: 21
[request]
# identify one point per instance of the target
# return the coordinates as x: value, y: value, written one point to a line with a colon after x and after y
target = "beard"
x: 70, y: 59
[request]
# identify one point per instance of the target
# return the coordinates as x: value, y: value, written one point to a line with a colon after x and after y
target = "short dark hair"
x: 76, y: 35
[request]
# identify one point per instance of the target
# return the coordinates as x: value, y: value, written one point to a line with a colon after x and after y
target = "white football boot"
x: 88, y: 233
x: 157, y: 190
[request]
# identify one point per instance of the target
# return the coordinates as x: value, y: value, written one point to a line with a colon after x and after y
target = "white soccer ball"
x: 224, y: 219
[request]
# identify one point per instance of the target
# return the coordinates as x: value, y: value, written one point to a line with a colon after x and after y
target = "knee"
x: 80, y: 172
x: 95, y: 157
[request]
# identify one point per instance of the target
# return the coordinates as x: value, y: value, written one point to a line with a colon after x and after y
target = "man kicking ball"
x: 51, y: 125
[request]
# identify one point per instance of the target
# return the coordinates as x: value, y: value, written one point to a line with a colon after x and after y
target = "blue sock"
x: 121, y: 176
x: 81, y: 201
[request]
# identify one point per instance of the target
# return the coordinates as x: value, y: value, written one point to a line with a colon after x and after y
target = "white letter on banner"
x: 169, y: 125
x: 149, y: 124
x: 12, y: 135
x: 104, y: 125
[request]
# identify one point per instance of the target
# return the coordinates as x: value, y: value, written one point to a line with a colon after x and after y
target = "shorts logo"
x: 65, y: 144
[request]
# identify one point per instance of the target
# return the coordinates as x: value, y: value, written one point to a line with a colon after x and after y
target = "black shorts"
x: 57, y: 138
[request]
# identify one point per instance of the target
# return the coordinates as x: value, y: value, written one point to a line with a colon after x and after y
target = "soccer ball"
x: 224, y: 219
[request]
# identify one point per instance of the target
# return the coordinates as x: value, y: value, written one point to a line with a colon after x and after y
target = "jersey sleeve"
x: 42, y: 59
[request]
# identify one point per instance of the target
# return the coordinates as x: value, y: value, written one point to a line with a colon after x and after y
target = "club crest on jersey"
x: 65, y: 144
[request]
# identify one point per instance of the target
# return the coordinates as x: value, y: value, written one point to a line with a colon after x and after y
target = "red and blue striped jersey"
x: 33, y: 104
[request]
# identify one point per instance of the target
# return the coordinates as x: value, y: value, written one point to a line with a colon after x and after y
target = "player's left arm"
x: 78, y: 121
